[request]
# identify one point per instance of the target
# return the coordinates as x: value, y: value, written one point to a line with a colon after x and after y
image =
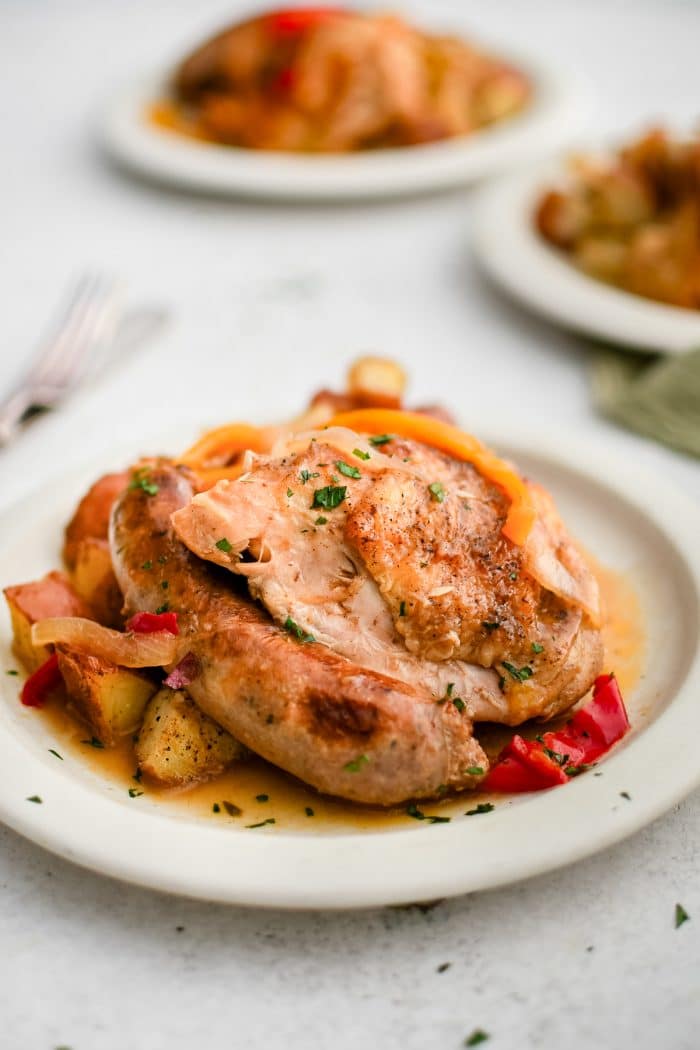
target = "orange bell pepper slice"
x: 521, y: 514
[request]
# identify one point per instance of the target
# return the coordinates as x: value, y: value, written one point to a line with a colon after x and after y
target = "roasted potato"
x: 30, y: 602
x: 91, y: 518
x: 178, y: 745
x: 110, y: 699
x: 376, y: 382
x: 93, y: 578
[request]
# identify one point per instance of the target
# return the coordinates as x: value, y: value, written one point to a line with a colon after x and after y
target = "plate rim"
x: 520, y: 262
x: 558, y: 110
x: 374, y: 869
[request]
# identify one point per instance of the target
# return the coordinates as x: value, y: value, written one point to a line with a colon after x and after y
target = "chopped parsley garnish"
x: 512, y: 575
x: 346, y: 470
x: 308, y: 810
x: 459, y: 704
x: 520, y: 674
x: 360, y: 454
x: 443, y: 966
x: 320, y: 520
x: 93, y: 742
x: 437, y: 492
x: 402, y: 609
x: 162, y: 608
x: 432, y: 818
x: 329, y: 497
x: 475, y: 771
x: 137, y: 776
x: 164, y: 585
x: 490, y: 625
x: 626, y: 794
x: 380, y: 439
x: 216, y: 808
x: 39, y: 800
x: 306, y: 475
x: 55, y: 754
x: 135, y: 793
x: 477, y: 1036
x: 147, y: 565
x: 263, y: 798
x: 262, y: 823
x: 537, y: 648
x: 223, y: 545
x: 162, y: 559
x: 681, y: 914
x: 297, y: 631
x: 232, y: 809
x: 356, y: 764
x: 576, y: 771
x: 556, y: 756
x: 141, y: 480
x: 290, y: 493
x: 482, y: 807
x: 13, y: 673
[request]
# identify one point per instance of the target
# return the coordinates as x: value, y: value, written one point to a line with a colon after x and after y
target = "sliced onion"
x: 127, y: 650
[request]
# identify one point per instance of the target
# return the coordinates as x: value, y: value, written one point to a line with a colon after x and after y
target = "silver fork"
x: 88, y: 322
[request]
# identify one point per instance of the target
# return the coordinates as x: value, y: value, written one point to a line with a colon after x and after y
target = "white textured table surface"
x: 268, y: 303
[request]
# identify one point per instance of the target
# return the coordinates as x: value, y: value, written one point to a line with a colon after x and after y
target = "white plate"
x: 631, y: 522
x: 553, y: 116
x: 523, y: 264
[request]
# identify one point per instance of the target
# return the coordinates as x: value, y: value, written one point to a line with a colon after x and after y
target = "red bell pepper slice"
x: 43, y: 681
x: 533, y: 765
x: 297, y: 19
x: 150, y: 623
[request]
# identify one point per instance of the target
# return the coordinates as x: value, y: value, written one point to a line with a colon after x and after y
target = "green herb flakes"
x: 141, y: 480
x: 232, y: 809
x: 417, y: 814
x: 681, y: 916
x: 474, y: 771
x: 162, y: 608
x: 147, y: 565
x: 329, y: 497
x: 135, y: 793
x: 476, y: 1037
x: 346, y: 470
x: 360, y: 454
x: 308, y: 810
x: 520, y: 674
x: 537, y: 648
x: 490, y: 625
x: 224, y: 545
x: 290, y: 493
x: 55, y: 754
x: 262, y: 823
x: 626, y: 794
x: 306, y: 475
x: 402, y: 609
x: 437, y: 492
x: 356, y: 764
x: 459, y: 704
x: 93, y: 742
x: 296, y: 630
x: 320, y: 520
x: 216, y: 808
x: 262, y: 798
x: 380, y: 439
x: 38, y: 799
x: 482, y: 807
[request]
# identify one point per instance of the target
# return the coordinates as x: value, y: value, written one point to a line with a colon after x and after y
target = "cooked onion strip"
x: 126, y: 650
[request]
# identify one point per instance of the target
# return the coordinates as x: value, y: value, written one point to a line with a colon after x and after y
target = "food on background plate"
x: 349, y: 596
x: 632, y: 218
x: 331, y: 80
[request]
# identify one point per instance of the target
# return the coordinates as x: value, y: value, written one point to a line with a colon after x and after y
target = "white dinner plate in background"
x: 631, y: 522
x: 553, y: 116
x: 522, y: 263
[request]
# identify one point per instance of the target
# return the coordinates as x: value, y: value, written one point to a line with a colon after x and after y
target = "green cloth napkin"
x: 658, y: 396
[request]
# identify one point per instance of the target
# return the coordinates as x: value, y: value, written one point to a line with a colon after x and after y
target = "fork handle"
x: 12, y: 411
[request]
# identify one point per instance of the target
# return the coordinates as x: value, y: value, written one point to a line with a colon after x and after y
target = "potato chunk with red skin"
x: 28, y: 603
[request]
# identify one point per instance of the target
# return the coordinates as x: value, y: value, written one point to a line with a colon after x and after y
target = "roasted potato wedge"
x: 376, y: 382
x: 29, y: 602
x: 178, y: 745
x: 93, y: 578
x: 91, y: 518
x: 110, y: 699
